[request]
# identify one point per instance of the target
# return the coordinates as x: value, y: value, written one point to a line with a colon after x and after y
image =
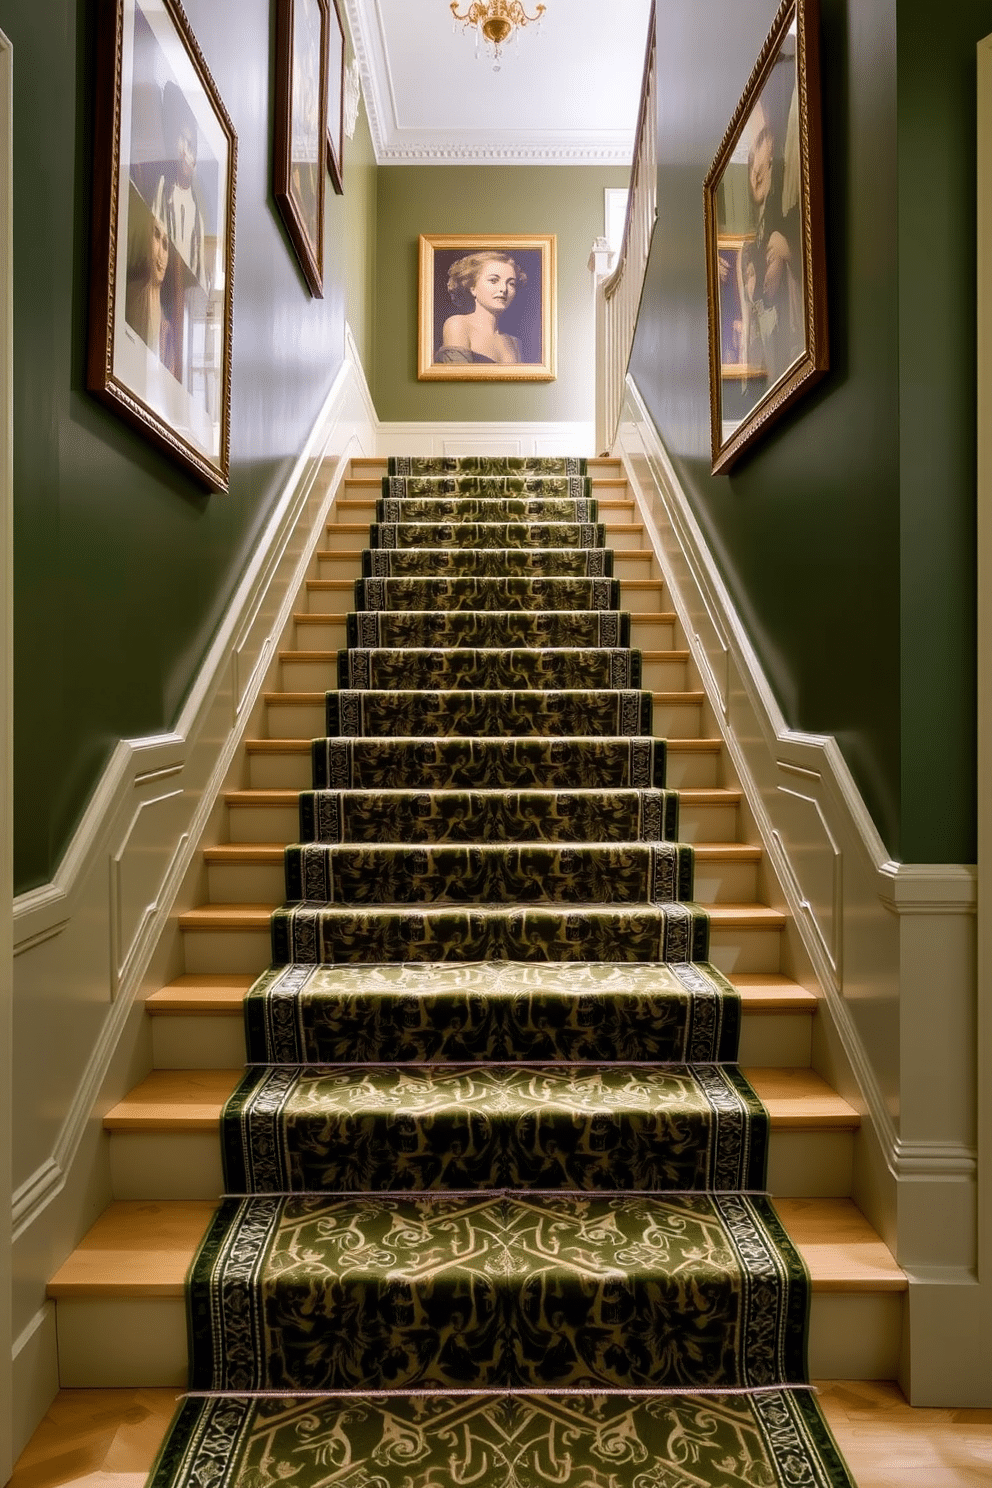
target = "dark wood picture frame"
x: 299, y: 165
x: 335, y: 98
x: 765, y: 251
x: 162, y: 244
x: 529, y: 317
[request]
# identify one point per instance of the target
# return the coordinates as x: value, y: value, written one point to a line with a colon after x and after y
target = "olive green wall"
x: 123, y: 568
x: 567, y: 201
x: 361, y: 208
x: 846, y: 538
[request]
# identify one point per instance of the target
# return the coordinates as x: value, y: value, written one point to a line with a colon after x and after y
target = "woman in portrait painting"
x: 147, y: 268
x: 482, y: 286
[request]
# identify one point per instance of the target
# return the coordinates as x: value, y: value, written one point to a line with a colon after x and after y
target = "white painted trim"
x: 183, y: 770
x: 983, y: 1039
x: 892, y: 945
x: 492, y: 438
x: 405, y: 146
x: 6, y: 732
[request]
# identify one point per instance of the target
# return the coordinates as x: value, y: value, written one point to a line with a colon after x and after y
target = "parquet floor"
x: 108, y: 1439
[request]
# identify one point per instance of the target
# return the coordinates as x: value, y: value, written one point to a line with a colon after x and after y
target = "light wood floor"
x: 108, y: 1439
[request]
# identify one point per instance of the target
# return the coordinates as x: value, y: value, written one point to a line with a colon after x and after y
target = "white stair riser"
x: 677, y: 720
x: 339, y: 566
x: 857, y: 1335
x: 264, y: 883
x: 640, y: 601
x: 704, y: 821
x: 329, y: 601
x: 117, y: 1342
x: 295, y: 720
x: 746, y: 950
x: 782, y: 1040
x: 216, y: 1041
x: 339, y: 535
x: 259, y: 823
x: 187, y: 1165
x: 264, y: 823
x: 725, y: 883
x: 303, y: 673
x: 227, y: 950
x: 810, y: 1165
x: 331, y: 634
x: 132, y: 1342
x: 246, y: 883
x: 698, y: 768
x: 280, y: 771
x: 686, y: 769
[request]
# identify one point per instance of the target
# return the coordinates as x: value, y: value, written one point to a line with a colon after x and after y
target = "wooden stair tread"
x: 228, y: 917
x: 302, y: 746
x: 201, y: 992
x: 145, y: 1249
x: 272, y: 852
x: 710, y: 795
x: 281, y: 797
x: 191, y: 1100
x: 257, y: 916
x: 278, y: 746
x: 771, y: 992
x: 223, y: 993
x: 801, y: 1100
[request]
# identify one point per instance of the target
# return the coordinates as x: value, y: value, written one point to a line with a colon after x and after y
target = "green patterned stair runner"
x: 491, y: 1136
x: 487, y: 562
x: 491, y: 1011
x: 506, y: 764
x: 314, y: 1292
x: 487, y: 592
x: 375, y: 629
x: 390, y: 1128
x: 489, y: 816
x: 504, y: 1441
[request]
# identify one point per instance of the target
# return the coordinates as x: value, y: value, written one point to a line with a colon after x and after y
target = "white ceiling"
x: 566, y: 94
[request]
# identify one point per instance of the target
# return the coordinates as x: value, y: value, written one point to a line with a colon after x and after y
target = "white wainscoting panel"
x: 84, y: 942
x: 892, y: 946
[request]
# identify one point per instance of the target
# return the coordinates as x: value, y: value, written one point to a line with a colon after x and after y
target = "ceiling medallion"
x: 495, y: 21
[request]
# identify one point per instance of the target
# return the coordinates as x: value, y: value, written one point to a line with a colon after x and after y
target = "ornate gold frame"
x: 309, y: 249
x: 729, y: 444
x: 538, y: 324
x: 107, y: 373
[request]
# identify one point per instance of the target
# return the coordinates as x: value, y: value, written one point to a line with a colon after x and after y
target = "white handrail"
x: 618, y: 298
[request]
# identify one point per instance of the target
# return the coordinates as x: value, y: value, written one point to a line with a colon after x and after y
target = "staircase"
x: 120, y: 1295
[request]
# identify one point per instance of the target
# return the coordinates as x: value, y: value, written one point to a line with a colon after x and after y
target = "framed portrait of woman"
x: 487, y: 308
x: 763, y: 210
x: 162, y: 276
x: 299, y: 163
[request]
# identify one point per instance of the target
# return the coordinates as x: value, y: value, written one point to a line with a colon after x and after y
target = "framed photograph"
x: 487, y: 308
x: 335, y: 98
x: 763, y: 209
x: 301, y: 128
x: 162, y: 263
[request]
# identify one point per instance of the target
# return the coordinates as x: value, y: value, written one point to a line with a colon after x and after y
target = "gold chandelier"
x: 495, y: 21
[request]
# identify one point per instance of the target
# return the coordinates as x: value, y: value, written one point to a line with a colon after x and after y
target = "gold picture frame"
x: 488, y: 309
x: 300, y: 155
x: 162, y: 261
x: 765, y: 254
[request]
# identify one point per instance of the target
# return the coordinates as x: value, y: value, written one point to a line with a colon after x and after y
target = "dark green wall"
x: 123, y: 568
x: 564, y: 200
x: 846, y: 538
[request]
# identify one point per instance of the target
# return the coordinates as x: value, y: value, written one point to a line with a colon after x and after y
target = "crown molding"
x: 395, y: 146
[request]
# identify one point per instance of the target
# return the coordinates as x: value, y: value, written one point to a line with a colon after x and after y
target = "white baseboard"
x: 487, y: 439
x: 892, y: 944
x: 83, y: 943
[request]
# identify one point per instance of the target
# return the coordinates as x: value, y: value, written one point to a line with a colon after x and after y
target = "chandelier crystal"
x: 495, y: 22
